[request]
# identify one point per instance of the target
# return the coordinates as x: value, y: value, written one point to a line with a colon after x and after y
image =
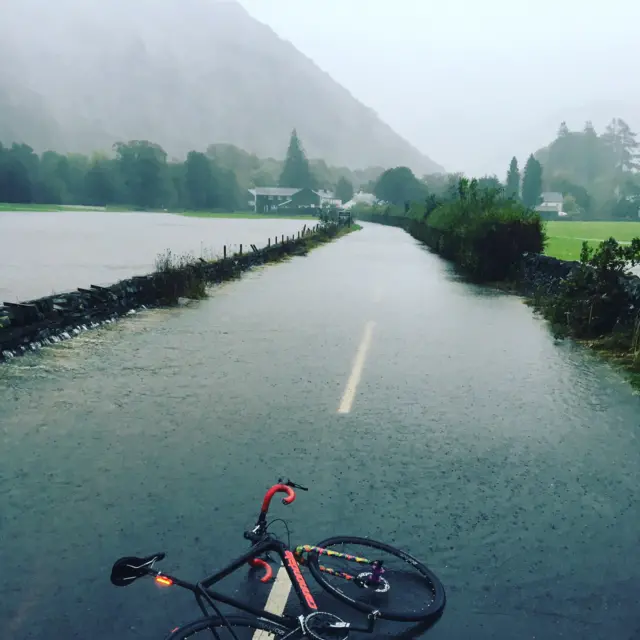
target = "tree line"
x: 399, y: 186
x: 597, y: 174
x: 139, y: 174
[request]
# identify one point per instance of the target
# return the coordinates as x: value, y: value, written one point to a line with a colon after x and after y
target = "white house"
x: 361, y: 198
x: 328, y: 199
x: 273, y: 198
x: 552, y: 202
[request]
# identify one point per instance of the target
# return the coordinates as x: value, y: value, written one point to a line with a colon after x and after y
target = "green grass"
x: 565, y: 238
x: 246, y: 215
x: 12, y: 206
x: 30, y: 207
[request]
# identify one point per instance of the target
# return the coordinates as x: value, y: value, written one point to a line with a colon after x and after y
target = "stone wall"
x: 544, y: 273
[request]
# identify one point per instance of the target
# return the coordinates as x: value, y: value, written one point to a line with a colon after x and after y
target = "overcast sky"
x: 472, y: 83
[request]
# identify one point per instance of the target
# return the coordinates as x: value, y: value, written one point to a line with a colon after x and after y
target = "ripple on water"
x: 509, y: 462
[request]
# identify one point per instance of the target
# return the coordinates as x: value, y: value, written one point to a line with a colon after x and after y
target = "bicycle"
x: 369, y: 590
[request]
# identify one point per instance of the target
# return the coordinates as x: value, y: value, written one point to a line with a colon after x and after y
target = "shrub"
x: 595, y: 299
x: 479, y: 229
x: 483, y: 232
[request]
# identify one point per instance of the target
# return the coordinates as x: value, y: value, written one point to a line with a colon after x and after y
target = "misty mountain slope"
x: 183, y: 73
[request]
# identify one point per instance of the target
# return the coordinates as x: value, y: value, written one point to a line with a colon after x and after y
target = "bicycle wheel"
x: 243, y: 628
x: 406, y: 591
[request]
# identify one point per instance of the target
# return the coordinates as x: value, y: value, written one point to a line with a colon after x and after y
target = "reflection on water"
x: 42, y: 253
x: 508, y: 462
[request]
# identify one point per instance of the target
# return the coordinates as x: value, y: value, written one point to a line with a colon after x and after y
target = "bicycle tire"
x: 430, y: 581
x: 213, y: 623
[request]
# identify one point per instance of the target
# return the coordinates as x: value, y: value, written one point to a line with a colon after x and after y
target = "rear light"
x: 164, y: 581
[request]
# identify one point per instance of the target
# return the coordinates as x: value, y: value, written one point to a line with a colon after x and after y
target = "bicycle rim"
x: 408, y: 591
x: 243, y: 629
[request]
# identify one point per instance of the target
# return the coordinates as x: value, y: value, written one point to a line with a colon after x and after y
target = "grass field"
x: 565, y: 238
x: 30, y: 207
x: 12, y: 206
x: 247, y: 215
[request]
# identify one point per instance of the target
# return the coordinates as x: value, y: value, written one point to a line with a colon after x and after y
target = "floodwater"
x: 52, y: 252
x: 506, y: 461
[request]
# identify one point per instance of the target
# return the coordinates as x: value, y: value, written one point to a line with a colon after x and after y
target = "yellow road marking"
x: 356, y: 371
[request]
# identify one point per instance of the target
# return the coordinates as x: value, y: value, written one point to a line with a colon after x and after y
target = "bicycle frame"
x: 291, y: 566
x: 262, y: 543
x: 205, y: 595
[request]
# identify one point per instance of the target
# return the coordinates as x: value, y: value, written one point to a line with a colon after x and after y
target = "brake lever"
x: 293, y: 485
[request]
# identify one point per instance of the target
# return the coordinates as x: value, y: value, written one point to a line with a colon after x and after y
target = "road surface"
x: 420, y: 410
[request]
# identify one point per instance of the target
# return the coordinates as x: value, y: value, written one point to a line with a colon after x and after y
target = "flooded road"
x: 508, y: 462
x: 52, y: 252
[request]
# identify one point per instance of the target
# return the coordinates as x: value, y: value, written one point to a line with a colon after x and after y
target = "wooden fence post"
x: 240, y: 249
x: 224, y: 251
x: 268, y: 242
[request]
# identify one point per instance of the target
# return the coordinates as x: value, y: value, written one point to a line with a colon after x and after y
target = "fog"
x: 473, y: 83
x: 470, y: 84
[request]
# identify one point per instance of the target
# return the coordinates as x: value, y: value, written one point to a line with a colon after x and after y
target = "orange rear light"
x: 164, y: 581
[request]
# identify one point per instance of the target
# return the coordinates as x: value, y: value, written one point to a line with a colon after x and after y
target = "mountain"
x: 183, y: 73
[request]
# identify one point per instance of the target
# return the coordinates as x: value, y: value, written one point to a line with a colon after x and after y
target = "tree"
x: 490, y: 182
x: 199, y: 181
x: 436, y: 183
x: 622, y: 142
x: 399, y: 186
x: 591, y: 158
x: 454, y: 183
x: 143, y: 167
x: 230, y: 196
x: 570, y: 204
x: 532, y: 182
x: 18, y: 174
x: 344, y: 190
x: 99, y: 183
x: 324, y: 176
x: 296, y: 172
x: 262, y: 178
x: 176, y: 173
x: 625, y: 209
x: 51, y: 187
x: 513, y: 180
